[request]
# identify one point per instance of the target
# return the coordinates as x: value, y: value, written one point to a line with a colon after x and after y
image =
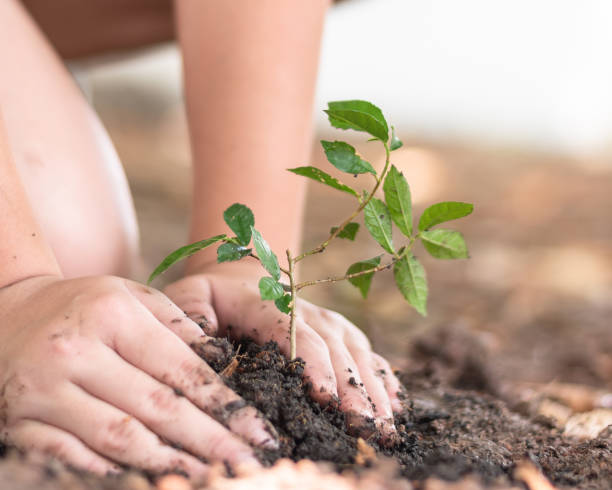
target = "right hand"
x: 93, y: 370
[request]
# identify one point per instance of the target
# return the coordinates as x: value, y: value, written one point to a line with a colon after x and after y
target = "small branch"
x: 379, y: 268
x: 339, y: 228
x: 292, y: 305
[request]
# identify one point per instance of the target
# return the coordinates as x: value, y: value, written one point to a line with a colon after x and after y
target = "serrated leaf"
x: 398, y: 199
x: 363, y: 282
x: 324, y: 178
x: 444, y: 211
x: 444, y: 244
x: 229, y: 252
x: 395, y: 141
x: 240, y: 219
x: 411, y: 281
x: 282, y: 303
x: 359, y: 115
x: 183, y: 253
x: 349, y: 231
x: 342, y: 156
x: 270, y: 289
x: 266, y: 256
x: 378, y: 222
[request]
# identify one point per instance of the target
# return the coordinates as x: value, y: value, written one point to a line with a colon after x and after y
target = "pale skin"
x: 65, y: 361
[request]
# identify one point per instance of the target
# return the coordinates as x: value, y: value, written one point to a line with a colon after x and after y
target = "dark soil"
x: 445, y: 432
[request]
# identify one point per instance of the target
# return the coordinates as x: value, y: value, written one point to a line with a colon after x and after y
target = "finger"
x: 31, y: 435
x: 166, y: 311
x: 115, y: 434
x: 193, y: 295
x: 158, y: 407
x: 182, y: 369
x: 376, y: 391
x: 360, y: 348
x: 392, y: 384
x: 354, y: 400
x: 352, y: 390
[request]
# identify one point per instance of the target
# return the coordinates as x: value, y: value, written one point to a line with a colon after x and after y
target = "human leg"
x: 68, y: 165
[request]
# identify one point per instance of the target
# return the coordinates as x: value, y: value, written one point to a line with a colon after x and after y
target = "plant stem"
x: 292, y: 305
x: 379, y: 268
x: 339, y: 228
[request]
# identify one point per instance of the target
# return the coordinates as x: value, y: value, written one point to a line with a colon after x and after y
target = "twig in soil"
x: 532, y: 477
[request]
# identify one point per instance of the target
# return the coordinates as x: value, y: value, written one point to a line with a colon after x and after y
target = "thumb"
x: 193, y: 295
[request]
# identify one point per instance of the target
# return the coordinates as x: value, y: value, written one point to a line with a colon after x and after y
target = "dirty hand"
x: 98, y: 371
x: 339, y: 359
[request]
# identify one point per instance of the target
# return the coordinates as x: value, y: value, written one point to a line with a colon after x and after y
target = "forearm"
x: 24, y: 251
x: 250, y: 72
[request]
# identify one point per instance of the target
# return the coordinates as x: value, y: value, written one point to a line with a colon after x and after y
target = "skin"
x: 60, y: 348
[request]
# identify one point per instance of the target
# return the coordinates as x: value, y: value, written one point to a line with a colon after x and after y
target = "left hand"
x: 333, y: 348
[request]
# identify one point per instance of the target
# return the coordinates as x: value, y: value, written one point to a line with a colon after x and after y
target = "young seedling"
x: 395, y: 208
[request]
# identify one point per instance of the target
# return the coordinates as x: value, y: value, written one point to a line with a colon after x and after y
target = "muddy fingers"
x: 115, y: 435
x: 186, y: 373
x: 170, y: 414
x: 32, y: 435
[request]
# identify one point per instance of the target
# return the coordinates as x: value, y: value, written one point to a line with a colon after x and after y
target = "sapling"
x: 380, y: 214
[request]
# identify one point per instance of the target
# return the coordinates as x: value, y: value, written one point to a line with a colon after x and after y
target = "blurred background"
x: 503, y: 104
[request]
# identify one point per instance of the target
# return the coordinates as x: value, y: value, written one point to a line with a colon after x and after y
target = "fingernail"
x: 396, y: 405
x: 203, y: 322
x: 248, y: 422
x: 271, y: 442
x: 360, y: 425
x: 390, y: 436
x: 213, y: 350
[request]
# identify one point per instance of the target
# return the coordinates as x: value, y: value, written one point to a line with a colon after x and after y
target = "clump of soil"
x: 266, y: 379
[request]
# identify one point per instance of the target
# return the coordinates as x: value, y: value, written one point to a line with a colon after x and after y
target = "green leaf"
x: 270, y: 289
x: 397, y: 196
x: 322, y: 177
x: 349, y: 231
x: 228, y: 252
x: 363, y: 282
x: 342, y: 156
x: 266, y: 256
x: 378, y: 223
x: 411, y: 281
x: 444, y: 211
x: 395, y: 141
x: 240, y: 219
x: 282, y: 303
x: 444, y: 244
x: 359, y: 115
x: 183, y: 253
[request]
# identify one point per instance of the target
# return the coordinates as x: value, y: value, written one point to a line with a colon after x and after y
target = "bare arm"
x: 24, y: 252
x: 250, y: 70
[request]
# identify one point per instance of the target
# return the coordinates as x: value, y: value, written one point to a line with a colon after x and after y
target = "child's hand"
x: 94, y: 371
x: 334, y: 349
